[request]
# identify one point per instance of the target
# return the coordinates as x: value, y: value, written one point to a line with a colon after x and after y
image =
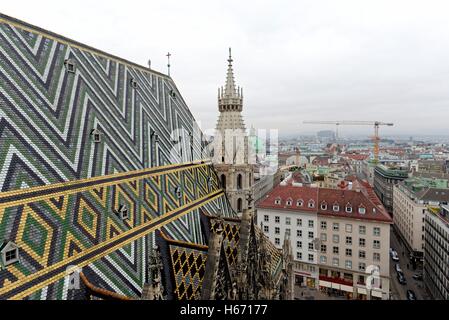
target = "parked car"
x: 401, y: 278
x: 398, y: 267
x: 411, y: 295
x: 394, y: 256
x: 418, y: 276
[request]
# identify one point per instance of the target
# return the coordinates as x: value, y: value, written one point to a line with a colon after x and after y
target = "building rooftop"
x: 363, y: 204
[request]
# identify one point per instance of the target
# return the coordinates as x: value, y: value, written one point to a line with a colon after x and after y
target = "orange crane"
x: 376, y: 125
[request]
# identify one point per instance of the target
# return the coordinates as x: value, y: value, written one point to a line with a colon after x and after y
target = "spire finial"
x: 230, y: 57
x: 168, y: 62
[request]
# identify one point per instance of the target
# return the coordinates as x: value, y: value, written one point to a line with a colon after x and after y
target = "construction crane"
x: 375, y: 124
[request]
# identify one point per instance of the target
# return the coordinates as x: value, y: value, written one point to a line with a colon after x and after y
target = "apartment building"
x: 411, y: 198
x: 339, y: 237
x: 384, y: 179
x: 436, y: 252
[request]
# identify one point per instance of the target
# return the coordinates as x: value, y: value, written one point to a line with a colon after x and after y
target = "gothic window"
x: 223, y: 181
x: 239, y: 205
x: 239, y: 181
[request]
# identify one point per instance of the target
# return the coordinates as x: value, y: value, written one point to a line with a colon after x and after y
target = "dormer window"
x: 289, y: 202
x: 323, y: 206
x: 96, y: 135
x: 133, y: 83
x: 374, y: 210
x: 69, y: 65
x: 299, y: 203
x: 277, y: 201
x: 362, y: 210
x: 9, y: 253
x: 178, y: 192
x: 123, y: 212
x: 311, y: 204
x: 336, y: 207
x: 348, y: 208
x: 173, y: 94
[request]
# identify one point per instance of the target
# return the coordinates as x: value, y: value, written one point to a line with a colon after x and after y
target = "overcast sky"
x: 296, y: 60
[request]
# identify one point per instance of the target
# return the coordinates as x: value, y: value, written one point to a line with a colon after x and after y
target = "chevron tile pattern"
x: 61, y: 187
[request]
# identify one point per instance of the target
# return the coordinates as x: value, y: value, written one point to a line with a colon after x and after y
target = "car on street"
x: 418, y: 276
x: 398, y: 267
x: 401, y: 278
x: 411, y: 295
x: 394, y: 256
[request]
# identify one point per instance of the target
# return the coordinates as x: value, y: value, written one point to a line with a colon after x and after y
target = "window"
x: 70, y: 65
x: 299, y: 203
x: 311, y: 224
x: 362, y: 229
x: 362, y: 210
x: 348, y: 264
x: 299, y: 233
x: 311, y: 235
x: 298, y: 255
x: 335, y: 262
x: 336, y: 238
x: 299, y: 244
x: 310, y: 257
x: 299, y: 222
x: 362, y: 266
x: 133, y: 83
x: 323, y: 225
x: 277, y: 201
x: 277, y: 230
x: 348, y: 228
x: 277, y: 219
x: 10, y: 254
x: 311, y: 204
x: 349, y: 241
x: 376, y: 244
x: 336, y: 226
x: 311, y: 247
x: 362, y: 254
x: 288, y: 221
x: 349, y: 252
x: 123, y: 211
x: 289, y: 202
x: 376, y: 256
x: 277, y: 241
x: 323, y: 259
x: 362, y: 242
x: 323, y: 206
x: 288, y: 232
x: 323, y: 248
x: 96, y: 135
x: 323, y: 237
x: 336, y: 207
x: 266, y: 229
x: 335, y: 250
x: 376, y: 232
x: 266, y: 218
x: 348, y: 208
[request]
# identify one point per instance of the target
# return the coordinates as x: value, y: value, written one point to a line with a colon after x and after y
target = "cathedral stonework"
x: 232, y: 156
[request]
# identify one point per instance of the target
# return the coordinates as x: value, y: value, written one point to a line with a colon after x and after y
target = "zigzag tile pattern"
x: 47, y: 115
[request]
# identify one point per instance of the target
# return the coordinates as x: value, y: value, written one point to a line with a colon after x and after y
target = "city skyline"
x: 378, y: 60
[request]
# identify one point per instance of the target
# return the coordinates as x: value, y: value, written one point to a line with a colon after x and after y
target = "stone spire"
x: 230, y: 91
x: 230, y: 98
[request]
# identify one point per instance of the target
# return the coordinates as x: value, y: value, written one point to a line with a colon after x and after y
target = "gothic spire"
x: 230, y: 90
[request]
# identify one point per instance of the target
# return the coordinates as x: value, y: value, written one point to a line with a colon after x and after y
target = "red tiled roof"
x: 357, y: 157
x: 365, y: 198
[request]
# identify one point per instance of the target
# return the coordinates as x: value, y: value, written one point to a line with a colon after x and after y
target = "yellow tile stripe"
x: 170, y: 169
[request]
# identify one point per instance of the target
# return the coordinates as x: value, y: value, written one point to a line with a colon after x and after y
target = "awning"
x: 325, y: 284
x: 347, y: 288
